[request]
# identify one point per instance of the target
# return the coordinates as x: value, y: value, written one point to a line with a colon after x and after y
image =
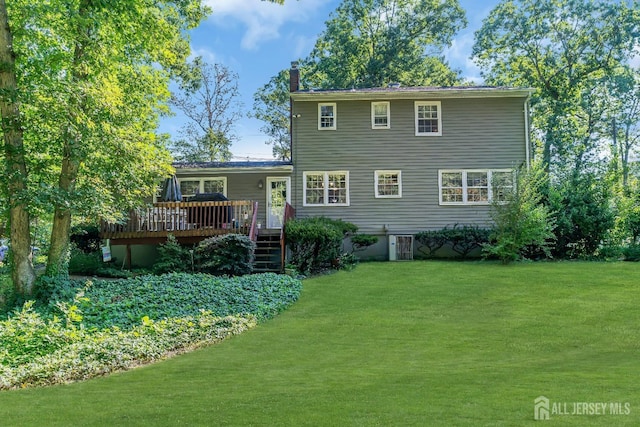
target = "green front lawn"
x: 416, y: 343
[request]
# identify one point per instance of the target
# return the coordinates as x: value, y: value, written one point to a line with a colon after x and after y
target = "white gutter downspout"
x: 526, y: 131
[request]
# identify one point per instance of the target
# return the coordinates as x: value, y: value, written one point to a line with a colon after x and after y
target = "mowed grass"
x: 408, y: 343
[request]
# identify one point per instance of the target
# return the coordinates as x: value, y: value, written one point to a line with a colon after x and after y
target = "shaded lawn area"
x: 408, y: 343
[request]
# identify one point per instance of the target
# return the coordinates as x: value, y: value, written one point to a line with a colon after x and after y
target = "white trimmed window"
x: 326, y: 188
x: 380, y: 115
x: 388, y: 184
x: 428, y: 118
x: 189, y: 187
x: 474, y: 187
x: 327, y: 116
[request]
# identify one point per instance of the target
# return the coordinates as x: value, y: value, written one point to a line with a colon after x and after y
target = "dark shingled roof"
x: 409, y: 89
x: 239, y: 165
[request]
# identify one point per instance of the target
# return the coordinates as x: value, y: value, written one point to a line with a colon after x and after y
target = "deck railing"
x: 289, y: 213
x: 183, y: 219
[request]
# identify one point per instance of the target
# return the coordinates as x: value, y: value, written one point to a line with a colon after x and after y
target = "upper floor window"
x: 189, y: 187
x: 428, y: 118
x: 388, y: 184
x: 327, y: 116
x: 326, y: 188
x: 461, y: 187
x: 380, y: 115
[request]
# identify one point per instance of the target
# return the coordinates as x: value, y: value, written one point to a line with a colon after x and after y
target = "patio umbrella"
x: 171, y: 190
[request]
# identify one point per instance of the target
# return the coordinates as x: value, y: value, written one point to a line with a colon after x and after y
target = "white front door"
x: 278, y: 194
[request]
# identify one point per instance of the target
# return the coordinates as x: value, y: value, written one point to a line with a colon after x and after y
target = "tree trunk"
x: 22, y: 272
x: 71, y: 155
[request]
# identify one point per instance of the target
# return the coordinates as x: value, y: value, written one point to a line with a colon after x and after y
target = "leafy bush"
x: 316, y: 242
x: 583, y: 216
x: 172, y: 257
x: 124, y: 303
x: 84, y: 263
x: 361, y: 241
x: 462, y: 239
x: 522, y: 221
x: 229, y: 254
x: 35, y: 351
x: 631, y: 253
x: 467, y: 238
x: 85, y: 237
x: 432, y: 240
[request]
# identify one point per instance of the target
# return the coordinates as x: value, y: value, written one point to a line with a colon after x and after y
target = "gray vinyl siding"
x: 242, y: 186
x: 486, y: 133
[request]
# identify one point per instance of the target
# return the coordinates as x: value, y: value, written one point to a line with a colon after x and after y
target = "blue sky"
x: 258, y: 39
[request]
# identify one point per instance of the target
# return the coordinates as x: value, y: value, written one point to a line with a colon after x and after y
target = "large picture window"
x: 189, y: 187
x: 327, y: 116
x: 388, y: 184
x: 470, y: 187
x: 326, y: 188
x: 428, y: 118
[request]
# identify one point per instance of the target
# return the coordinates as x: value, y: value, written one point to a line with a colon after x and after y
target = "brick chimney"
x: 294, y: 77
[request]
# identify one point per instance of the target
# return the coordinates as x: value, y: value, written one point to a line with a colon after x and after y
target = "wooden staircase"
x: 268, y: 252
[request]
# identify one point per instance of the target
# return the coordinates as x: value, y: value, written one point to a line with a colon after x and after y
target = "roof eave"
x: 412, y: 94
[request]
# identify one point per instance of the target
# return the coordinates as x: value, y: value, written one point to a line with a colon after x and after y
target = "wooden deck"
x: 189, y: 222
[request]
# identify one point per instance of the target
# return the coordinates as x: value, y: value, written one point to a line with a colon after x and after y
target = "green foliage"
x: 583, y: 215
x: 631, y: 252
x: 84, y: 263
x: 38, y: 352
x: 229, y: 254
x: 462, y: 239
x: 172, y: 257
x: 316, y: 242
x: 85, y: 237
x: 467, y: 238
x: 362, y: 241
x: 522, y: 221
x: 124, y: 303
x: 432, y: 240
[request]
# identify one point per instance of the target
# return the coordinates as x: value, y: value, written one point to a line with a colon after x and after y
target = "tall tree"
x: 210, y: 102
x: 15, y: 177
x: 557, y: 47
x: 368, y: 43
x: 93, y: 77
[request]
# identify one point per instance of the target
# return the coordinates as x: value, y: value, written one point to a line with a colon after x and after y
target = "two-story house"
x: 399, y: 160
x: 394, y: 161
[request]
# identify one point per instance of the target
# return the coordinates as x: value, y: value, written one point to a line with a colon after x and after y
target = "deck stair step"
x: 267, y: 253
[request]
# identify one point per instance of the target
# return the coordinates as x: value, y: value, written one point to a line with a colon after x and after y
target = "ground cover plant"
x: 411, y: 343
x: 94, y: 328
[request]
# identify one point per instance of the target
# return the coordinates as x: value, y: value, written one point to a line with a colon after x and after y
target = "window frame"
x: 376, y: 184
x: 437, y: 104
x: 325, y: 187
x: 334, y: 117
x: 201, y: 181
x: 465, y: 187
x: 387, y: 104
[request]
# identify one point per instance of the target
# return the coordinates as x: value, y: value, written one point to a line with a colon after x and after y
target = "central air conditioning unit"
x: 400, y: 247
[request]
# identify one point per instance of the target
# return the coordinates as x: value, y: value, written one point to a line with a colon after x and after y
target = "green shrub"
x: 173, y: 258
x: 523, y: 224
x: 462, y: 239
x: 432, y: 241
x: 583, y: 216
x: 84, y: 263
x: 85, y: 237
x: 229, y: 254
x: 316, y: 242
x: 361, y: 241
x: 631, y: 253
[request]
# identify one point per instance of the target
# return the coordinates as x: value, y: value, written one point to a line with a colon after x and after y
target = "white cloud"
x: 262, y: 19
x: 459, y: 57
x: 208, y: 56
